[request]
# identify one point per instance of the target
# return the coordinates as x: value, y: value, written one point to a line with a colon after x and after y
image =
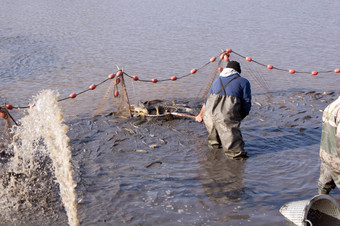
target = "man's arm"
x: 199, y: 117
x: 246, y: 100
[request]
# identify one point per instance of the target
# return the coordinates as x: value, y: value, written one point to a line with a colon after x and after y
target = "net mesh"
x: 196, y: 86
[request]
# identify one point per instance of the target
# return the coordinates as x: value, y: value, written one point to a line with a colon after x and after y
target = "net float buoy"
x: 249, y: 59
x: 220, y: 69
x: 119, y: 73
x: 135, y: 78
x: 111, y: 76
x: 117, y: 81
x: 9, y: 107
x: 92, y: 87
x: 269, y: 66
x: 314, y: 72
x: 226, y: 58
x: 337, y: 70
x: 212, y: 59
x: 292, y: 71
x: 154, y: 80
x: 2, y: 114
x: 228, y: 50
x: 193, y: 71
x: 116, y: 93
x: 73, y: 95
x: 173, y: 78
x: 222, y: 56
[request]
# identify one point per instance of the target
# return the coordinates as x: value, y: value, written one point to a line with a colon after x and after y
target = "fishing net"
x: 125, y: 88
x: 196, y: 85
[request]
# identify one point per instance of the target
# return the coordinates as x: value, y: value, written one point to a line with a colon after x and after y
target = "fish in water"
x: 160, y: 109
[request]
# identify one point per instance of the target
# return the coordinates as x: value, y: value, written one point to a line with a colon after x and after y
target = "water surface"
x: 68, y: 45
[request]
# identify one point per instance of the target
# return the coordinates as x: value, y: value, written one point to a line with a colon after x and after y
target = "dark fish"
x: 155, y: 162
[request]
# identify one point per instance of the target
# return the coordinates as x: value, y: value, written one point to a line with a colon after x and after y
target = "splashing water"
x: 39, y: 142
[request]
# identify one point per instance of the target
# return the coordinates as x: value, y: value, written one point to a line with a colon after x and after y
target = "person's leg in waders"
x: 231, y: 138
x: 328, y: 179
x: 214, y: 140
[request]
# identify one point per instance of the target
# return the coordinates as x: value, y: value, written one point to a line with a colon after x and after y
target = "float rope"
x: 224, y: 55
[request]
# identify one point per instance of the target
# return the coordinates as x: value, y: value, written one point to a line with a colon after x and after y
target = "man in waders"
x: 228, y: 103
x: 330, y: 149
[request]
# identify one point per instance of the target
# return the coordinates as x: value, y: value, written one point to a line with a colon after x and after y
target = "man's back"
x: 237, y: 89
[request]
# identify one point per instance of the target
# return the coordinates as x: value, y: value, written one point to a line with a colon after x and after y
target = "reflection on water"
x: 224, y: 178
x: 222, y: 183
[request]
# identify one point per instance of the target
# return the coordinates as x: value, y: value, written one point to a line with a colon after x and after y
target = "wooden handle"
x: 183, y: 115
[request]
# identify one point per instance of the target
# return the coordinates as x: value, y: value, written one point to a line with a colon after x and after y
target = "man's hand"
x: 199, y: 118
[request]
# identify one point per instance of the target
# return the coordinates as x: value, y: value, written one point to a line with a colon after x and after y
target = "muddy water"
x: 162, y: 172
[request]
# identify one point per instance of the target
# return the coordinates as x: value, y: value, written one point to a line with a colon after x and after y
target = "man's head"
x: 235, y: 65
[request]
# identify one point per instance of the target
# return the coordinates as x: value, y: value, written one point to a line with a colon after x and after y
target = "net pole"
x: 126, y: 94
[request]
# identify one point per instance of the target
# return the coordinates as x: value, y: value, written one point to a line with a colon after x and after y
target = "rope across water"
x: 224, y: 55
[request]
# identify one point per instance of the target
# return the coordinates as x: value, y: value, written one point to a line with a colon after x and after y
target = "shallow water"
x: 136, y: 172
x: 159, y: 171
x: 193, y: 185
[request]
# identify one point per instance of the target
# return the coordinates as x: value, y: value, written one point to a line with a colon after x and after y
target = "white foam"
x: 43, y: 133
